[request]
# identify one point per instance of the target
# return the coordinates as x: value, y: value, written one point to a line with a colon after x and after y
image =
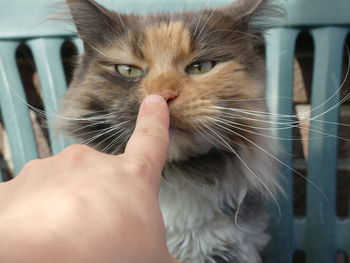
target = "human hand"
x: 85, y: 206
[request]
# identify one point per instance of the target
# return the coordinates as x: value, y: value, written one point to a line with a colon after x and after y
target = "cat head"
x: 207, y: 65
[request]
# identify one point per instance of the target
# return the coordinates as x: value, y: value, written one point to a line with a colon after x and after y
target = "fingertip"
x: 150, y: 138
x: 154, y: 98
x: 156, y: 108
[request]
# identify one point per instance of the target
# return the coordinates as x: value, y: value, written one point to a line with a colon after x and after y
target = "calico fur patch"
x: 208, y: 66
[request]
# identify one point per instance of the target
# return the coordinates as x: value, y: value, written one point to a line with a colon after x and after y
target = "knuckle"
x: 142, y: 174
x: 33, y: 164
x: 140, y: 171
x: 76, y: 152
x: 138, y: 167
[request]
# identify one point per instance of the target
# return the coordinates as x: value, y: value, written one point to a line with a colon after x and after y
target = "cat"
x: 209, y: 68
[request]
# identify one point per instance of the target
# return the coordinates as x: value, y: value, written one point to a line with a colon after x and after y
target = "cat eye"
x: 200, y: 68
x: 129, y: 71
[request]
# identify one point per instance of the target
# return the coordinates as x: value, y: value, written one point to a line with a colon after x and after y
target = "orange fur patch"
x: 168, y: 50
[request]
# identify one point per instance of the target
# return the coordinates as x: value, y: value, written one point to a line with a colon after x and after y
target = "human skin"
x: 85, y: 206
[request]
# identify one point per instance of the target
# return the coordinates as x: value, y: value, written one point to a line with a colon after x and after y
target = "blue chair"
x: 320, y: 234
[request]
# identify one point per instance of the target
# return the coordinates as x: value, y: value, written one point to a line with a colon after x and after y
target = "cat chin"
x: 183, y: 145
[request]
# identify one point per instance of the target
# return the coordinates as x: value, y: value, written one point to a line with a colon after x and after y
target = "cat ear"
x: 255, y: 15
x: 95, y: 23
x: 245, y: 8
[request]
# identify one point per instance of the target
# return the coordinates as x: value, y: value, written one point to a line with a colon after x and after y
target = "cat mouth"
x: 175, y: 130
x: 184, y: 143
x: 179, y: 128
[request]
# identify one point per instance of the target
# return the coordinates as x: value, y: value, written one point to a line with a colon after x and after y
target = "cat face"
x: 203, y: 63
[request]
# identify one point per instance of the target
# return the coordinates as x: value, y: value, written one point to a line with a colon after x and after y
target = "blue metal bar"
x: 47, y: 56
x: 299, y: 234
x: 317, y: 12
x: 1, y: 159
x: 322, y: 163
x: 79, y: 45
x: 343, y: 235
x: 280, y: 58
x: 1, y: 175
x: 14, y: 111
x: 31, y: 16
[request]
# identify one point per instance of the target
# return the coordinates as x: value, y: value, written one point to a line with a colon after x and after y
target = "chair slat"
x: 47, y: 57
x: 1, y: 175
x: 344, y: 230
x: 1, y: 158
x: 299, y: 234
x: 322, y: 162
x: 298, y: 12
x: 280, y: 56
x: 78, y: 43
x: 14, y: 111
x: 343, y: 235
x: 34, y: 18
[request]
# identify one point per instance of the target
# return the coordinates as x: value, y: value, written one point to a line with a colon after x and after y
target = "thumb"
x: 149, y: 142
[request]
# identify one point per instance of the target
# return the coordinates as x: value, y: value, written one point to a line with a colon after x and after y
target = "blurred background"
x: 37, y: 58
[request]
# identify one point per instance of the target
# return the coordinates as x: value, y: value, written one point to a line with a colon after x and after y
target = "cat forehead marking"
x: 167, y: 42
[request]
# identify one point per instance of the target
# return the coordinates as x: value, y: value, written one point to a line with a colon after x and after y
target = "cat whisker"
x: 199, y: 129
x: 197, y: 25
x: 254, y: 112
x: 237, y: 125
x: 254, y: 99
x: 229, y: 147
x: 262, y: 114
x: 336, y: 92
x: 325, y: 135
x: 98, y: 135
x: 116, y: 140
x: 264, y: 119
x: 276, y: 159
x: 333, y: 123
x: 123, y: 24
x: 203, y: 132
x: 96, y: 120
x: 48, y: 115
x: 309, y: 112
x: 206, y: 22
x: 236, y: 219
x: 289, y: 124
x: 74, y: 132
x: 123, y: 140
x: 104, y: 56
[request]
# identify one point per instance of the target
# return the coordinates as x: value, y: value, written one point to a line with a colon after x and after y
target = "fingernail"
x: 154, y: 99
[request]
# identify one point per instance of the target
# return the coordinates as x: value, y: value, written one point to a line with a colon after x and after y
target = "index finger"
x: 150, y: 139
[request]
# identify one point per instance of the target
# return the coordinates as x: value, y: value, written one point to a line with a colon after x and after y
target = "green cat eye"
x: 200, y: 68
x: 129, y: 71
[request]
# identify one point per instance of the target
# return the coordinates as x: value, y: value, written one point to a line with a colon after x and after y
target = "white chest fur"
x: 196, y: 227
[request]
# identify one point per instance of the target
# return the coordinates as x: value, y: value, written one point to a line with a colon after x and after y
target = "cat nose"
x: 169, y: 95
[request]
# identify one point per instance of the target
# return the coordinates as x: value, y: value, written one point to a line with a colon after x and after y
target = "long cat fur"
x: 218, y: 175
